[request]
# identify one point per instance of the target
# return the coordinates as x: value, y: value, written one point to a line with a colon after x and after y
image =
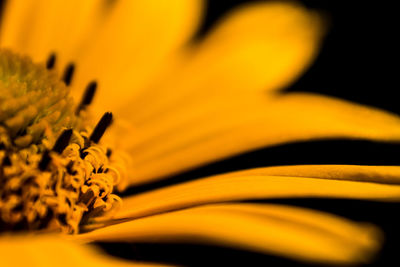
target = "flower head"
x: 54, y: 175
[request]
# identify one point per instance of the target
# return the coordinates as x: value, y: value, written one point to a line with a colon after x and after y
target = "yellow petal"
x: 134, y: 44
x: 257, y: 184
x: 275, y: 229
x: 40, y: 27
x: 16, y: 250
x: 375, y: 174
x: 259, y: 47
x: 197, y: 136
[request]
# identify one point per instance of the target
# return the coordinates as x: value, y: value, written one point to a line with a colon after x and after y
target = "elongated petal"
x: 375, y: 174
x: 292, y: 232
x: 257, y: 48
x: 195, y: 136
x: 134, y: 45
x: 50, y: 251
x: 41, y: 27
x: 255, y: 184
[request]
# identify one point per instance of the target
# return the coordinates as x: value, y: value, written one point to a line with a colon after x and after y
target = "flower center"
x: 54, y: 174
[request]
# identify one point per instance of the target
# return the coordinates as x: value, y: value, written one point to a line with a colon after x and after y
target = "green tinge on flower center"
x: 53, y: 173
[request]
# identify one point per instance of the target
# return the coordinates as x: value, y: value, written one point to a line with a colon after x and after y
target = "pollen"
x: 55, y: 174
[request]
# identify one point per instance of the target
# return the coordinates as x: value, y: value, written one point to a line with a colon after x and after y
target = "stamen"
x: 87, y: 97
x: 44, y: 162
x: 101, y: 127
x: 68, y: 74
x: 62, y: 141
x: 51, y: 61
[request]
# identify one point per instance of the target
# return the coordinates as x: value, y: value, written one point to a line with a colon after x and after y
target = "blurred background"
x: 357, y: 62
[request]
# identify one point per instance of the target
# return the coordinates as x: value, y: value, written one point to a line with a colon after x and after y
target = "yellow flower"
x: 177, y: 105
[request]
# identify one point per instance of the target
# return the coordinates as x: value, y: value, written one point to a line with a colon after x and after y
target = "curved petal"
x: 374, y: 174
x: 134, y: 44
x: 286, y: 231
x: 41, y: 27
x: 259, y: 184
x: 49, y: 251
x: 201, y: 135
x: 258, y: 48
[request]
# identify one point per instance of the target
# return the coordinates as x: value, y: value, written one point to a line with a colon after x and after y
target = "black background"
x: 358, y: 63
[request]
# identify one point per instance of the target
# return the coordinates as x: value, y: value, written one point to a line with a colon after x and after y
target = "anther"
x: 61, y: 143
x: 68, y: 73
x: 101, y: 127
x: 109, y: 152
x: 44, y: 162
x: 51, y: 61
x: 87, y: 97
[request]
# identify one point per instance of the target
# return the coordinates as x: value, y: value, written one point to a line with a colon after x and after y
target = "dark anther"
x: 59, y: 146
x: 44, y: 162
x: 62, y: 141
x: 101, y: 169
x: 109, y: 152
x: 51, y: 61
x: 87, y: 97
x: 101, y: 127
x: 68, y: 73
